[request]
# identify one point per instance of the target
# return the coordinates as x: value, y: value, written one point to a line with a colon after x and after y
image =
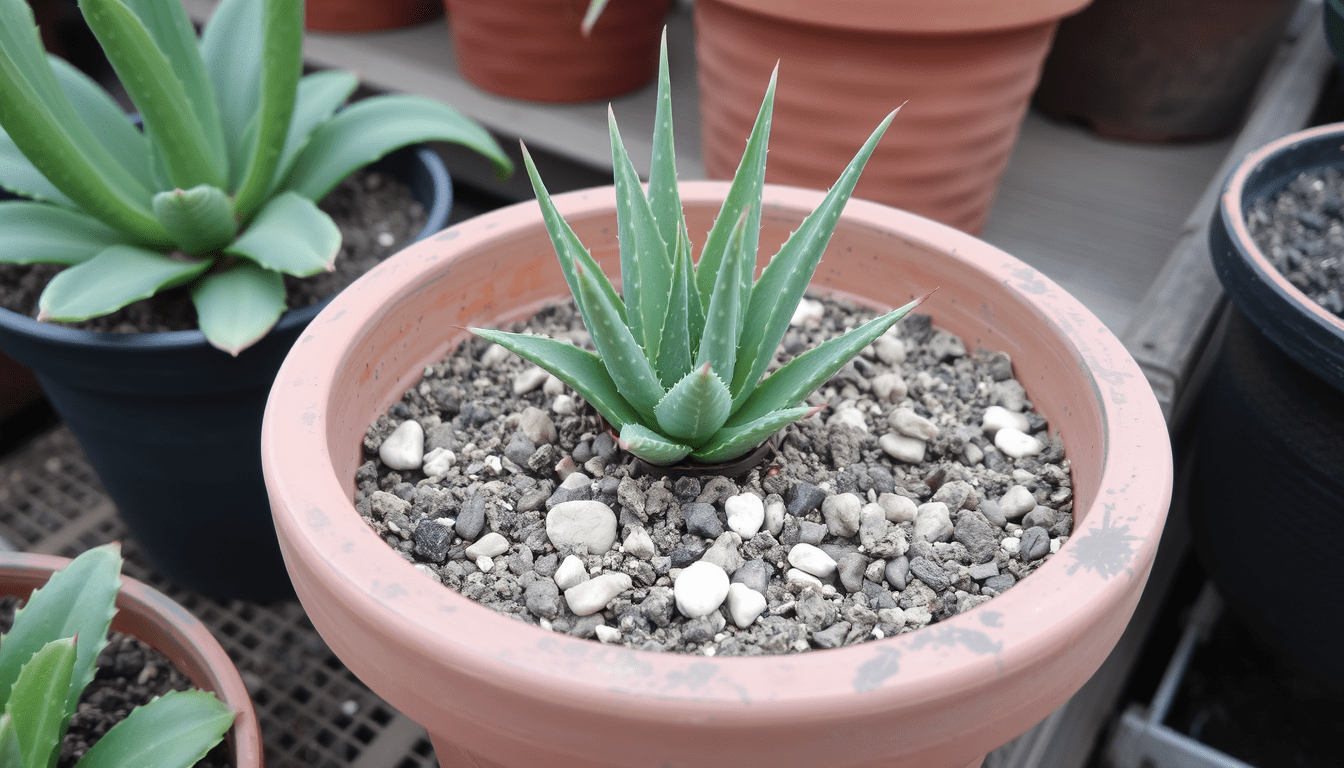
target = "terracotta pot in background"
x: 494, y: 691
x: 152, y: 617
x: 367, y: 15
x: 1161, y: 70
x: 964, y: 69
x: 18, y: 387
x: 533, y: 50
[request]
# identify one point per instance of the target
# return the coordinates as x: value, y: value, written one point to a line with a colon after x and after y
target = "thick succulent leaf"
x: 730, y: 442
x: 10, y: 751
x: 646, y: 266
x: 369, y: 129
x: 674, y: 354
x: 620, y: 353
x: 233, y: 63
x: 172, y: 731
x: 320, y: 95
x: 42, y: 123
x: 291, y: 235
x: 695, y: 408
x: 238, y: 305
x: 192, y: 148
x: 41, y: 233
x: 281, y: 66
x: 664, y: 199
x: 568, y: 249
x: 19, y: 176
x: 651, y: 446
x: 744, y: 194
x: 36, y: 703
x: 580, y: 369
x: 785, y: 278
x: 718, y: 345
x: 199, y: 219
x: 591, y: 16
x: 109, y: 122
x: 802, y: 375
x: 117, y: 276
x: 76, y: 601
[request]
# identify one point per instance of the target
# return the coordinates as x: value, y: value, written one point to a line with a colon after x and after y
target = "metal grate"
x: 314, y: 712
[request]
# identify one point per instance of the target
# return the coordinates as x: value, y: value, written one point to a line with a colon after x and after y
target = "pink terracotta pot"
x: 964, y: 69
x: 151, y: 616
x: 493, y: 691
x: 368, y: 15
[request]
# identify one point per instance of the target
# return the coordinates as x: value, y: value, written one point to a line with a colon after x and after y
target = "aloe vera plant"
x: 681, y: 350
x: 47, y: 659
x: 218, y: 192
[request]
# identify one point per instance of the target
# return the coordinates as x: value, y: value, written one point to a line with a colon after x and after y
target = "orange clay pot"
x: 533, y: 49
x: 494, y: 691
x: 152, y: 617
x: 367, y: 15
x: 964, y: 69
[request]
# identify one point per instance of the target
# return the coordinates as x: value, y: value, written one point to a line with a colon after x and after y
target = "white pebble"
x: 1011, y: 545
x: 811, y: 559
x: 529, y: 380
x: 405, y: 447
x: 607, y: 634
x: 1055, y: 544
x: 572, y: 524
x: 494, y: 355
x: 807, y: 311
x: 889, y: 349
x: 386, y: 239
x: 639, y: 544
x: 553, y: 386
x: 593, y: 595
x: 796, y: 576
x: 566, y: 468
x: 489, y: 545
x: 774, y: 517
x: 574, y: 481
x: 911, y: 424
x: 700, y: 589
x: 494, y: 465
x: 1016, y: 502
x: 746, y: 513
x: 902, y: 448
x: 1017, y: 444
x: 933, y: 522
x: 570, y: 573
x: 439, y: 461
x: 538, y: 427
x: 917, y: 616
x: 889, y: 387
x: 744, y: 604
x: 563, y: 405
x: 997, y: 417
x: 850, y: 417
x: 899, y: 509
x: 486, y: 564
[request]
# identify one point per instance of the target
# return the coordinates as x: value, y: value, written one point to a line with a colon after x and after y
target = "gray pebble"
x: 898, y: 573
x: 992, y: 512
x: 543, y: 600
x: 471, y: 520
x: 998, y: 584
x: 980, y: 538
x: 810, y: 532
x: 546, y: 564
x: 519, y: 449
x: 833, y: 636
x: 604, y: 445
x: 432, y: 539
x: 982, y: 571
x: 657, y: 606
x: 803, y: 498
x: 851, y: 568
x: 755, y: 574
x: 724, y: 552
x: 1035, y: 544
x: 930, y: 573
x: 842, y: 514
x: 814, y: 610
x: 702, y: 520
x: 1041, y: 516
x: 686, y: 554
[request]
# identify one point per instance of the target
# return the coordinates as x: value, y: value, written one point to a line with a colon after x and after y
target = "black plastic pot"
x: 173, y: 425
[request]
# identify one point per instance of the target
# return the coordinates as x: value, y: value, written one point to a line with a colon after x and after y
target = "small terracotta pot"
x: 533, y: 49
x: 151, y: 616
x: 368, y: 15
x: 964, y: 70
x: 494, y: 691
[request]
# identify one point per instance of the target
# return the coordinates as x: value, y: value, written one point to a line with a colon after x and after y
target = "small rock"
x: 639, y: 544
x: 993, y: 513
x: 553, y: 386
x: 489, y: 545
x: 842, y: 514
x: 519, y: 449
x: 797, y: 576
x: 889, y: 387
x: 542, y: 598
x: 744, y: 604
x: 812, y: 560
x: 911, y: 424
x: 438, y: 461
x: 997, y: 417
x: 833, y: 636
x: 746, y: 514
x: 1035, y: 544
x: 1041, y: 516
x: 538, y: 427
x: 977, y: 536
x: 607, y: 634
x: 811, y: 533
x: 563, y: 405
x: 902, y: 447
x: 471, y: 520
x: 1016, y: 443
x: 998, y: 584
x: 486, y: 564
x: 432, y: 537
x: 899, y: 509
x: 774, y: 516
x: 404, y: 449
x: 755, y: 574
x: 933, y: 522
x: 982, y: 571
x: 571, y: 572
x: 572, y: 524
x: 724, y: 552
x: 850, y: 417
x: 1011, y: 545
x: 529, y: 379
x: 593, y: 595
x: 898, y: 573
x: 700, y: 589
x: 1016, y: 502
x: 807, y: 311
x: 702, y: 520
x: 851, y: 569
x: 805, y: 497
x: 384, y: 505
x: 494, y: 355
x: 873, y: 525
x: 889, y: 349
x: 946, y: 346
x: 930, y: 573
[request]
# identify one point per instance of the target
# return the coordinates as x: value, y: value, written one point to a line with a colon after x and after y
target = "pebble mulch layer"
x: 926, y: 486
x: 1301, y: 231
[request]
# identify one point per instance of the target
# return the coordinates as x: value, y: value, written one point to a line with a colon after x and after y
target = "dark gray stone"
x: 543, y: 599
x: 990, y: 509
x: 850, y: 569
x: 755, y: 574
x: 998, y: 584
x: 1035, y: 544
x: 519, y: 449
x: 831, y: 637
x: 702, y: 520
x: 697, y: 631
x: 979, y: 537
x: 685, y: 489
x: 1040, y: 516
x: 686, y: 554
x: 657, y: 607
x: 810, y: 532
x: 432, y: 539
x: 930, y: 573
x: 877, y: 596
x: 814, y: 610
x: 881, y: 480
x: 604, y: 445
x: 582, y: 452
x: 803, y: 498
x: 898, y: 573
x: 471, y: 520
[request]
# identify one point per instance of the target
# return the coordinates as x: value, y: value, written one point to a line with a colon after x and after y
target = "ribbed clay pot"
x: 368, y: 15
x: 534, y: 50
x: 964, y: 69
x: 494, y: 691
x: 155, y: 619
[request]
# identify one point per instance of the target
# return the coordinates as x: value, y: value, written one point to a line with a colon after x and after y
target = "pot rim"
x: 146, y: 613
x: 1093, y: 575
x: 915, y: 16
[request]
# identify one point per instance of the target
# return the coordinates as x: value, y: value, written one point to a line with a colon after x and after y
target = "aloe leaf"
x: 646, y: 267
x: 19, y: 176
x: 10, y: 751
x: 591, y: 16
x: 674, y: 354
x: 730, y: 442
x: 233, y: 63
x: 200, y: 219
x: 41, y: 233
x: 42, y: 123
x: 191, y: 150
x: 718, y: 345
x: 281, y: 66
x: 744, y: 193
x: 580, y: 369
x: 238, y: 305
x: 803, y: 374
x: 104, y: 116
x: 620, y: 353
x: 568, y: 249
x: 36, y: 703
x: 172, y: 731
x: 695, y: 408
x: 117, y: 276
x: 76, y: 601
x: 783, y: 281
x: 320, y: 95
x: 651, y: 446
x: 664, y: 198
x: 369, y: 129
x: 291, y: 235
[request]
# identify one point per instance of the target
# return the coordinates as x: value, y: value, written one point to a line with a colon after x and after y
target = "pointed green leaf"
x: 11, y: 754
x: 651, y: 446
x: 232, y: 61
x: 695, y: 408
x: 193, y: 153
x: 580, y: 369
x: 41, y: 233
x: 591, y: 16
x: 730, y: 442
x: 238, y: 305
x: 674, y: 355
x: 646, y: 266
x: 291, y: 235
x: 320, y: 94
x: 620, y: 353
x: 802, y: 375
x: 37, y: 701
x: 281, y: 66
x: 172, y: 731
x: 718, y: 345
x: 105, y: 117
x: 19, y: 176
x: 200, y: 219
x: 785, y: 278
x: 117, y: 276
x: 76, y: 601
x: 664, y: 199
x: 369, y: 129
